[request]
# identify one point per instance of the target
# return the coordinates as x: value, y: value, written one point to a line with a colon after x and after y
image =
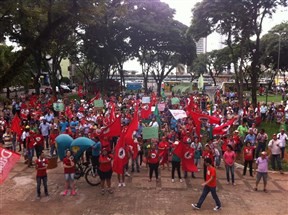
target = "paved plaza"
x: 140, y: 196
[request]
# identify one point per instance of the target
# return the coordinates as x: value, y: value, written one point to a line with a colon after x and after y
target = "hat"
x: 236, y: 131
x: 27, y: 127
x: 264, y: 153
x: 176, y: 142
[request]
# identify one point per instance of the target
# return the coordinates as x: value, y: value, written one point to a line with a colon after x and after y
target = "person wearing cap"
x: 274, y: 146
x: 262, y: 170
x: 282, y: 136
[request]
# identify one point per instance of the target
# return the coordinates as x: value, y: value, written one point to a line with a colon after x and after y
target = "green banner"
x: 98, y: 103
x: 58, y: 106
x: 175, y: 101
x: 150, y: 133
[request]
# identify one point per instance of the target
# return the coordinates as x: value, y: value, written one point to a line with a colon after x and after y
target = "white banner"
x: 145, y: 100
x: 178, y: 114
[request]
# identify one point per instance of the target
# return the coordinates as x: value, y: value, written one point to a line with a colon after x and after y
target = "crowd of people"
x: 222, y: 132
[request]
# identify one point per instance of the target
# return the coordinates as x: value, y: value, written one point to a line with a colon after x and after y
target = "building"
x: 201, y: 46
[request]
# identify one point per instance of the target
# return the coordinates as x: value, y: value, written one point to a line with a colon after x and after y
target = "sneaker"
x: 217, y: 208
x: 123, y: 184
x: 228, y: 182
x: 234, y: 184
x: 181, y: 180
x: 127, y: 174
x: 65, y: 193
x: 38, y: 197
x: 110, y: 191
x: 120, y: 184
x: 73, y: 193
x: 195, y: 206
x: 102, y: 191
x: 173, y: 180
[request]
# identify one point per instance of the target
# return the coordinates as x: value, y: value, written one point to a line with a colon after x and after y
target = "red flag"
x: 120, y: 156
x: 222, y: 129
x: 112, y: 130
x: 15, y: 125
x: 153, y: 98
x: 146, y: 111
x: 98, y: 96
x: 188, y: 160
x: 112, y: 111
x: 133, y: 126
x: 198, y: 117
x: 7, y: 160
x: 80, y: 91
x: 68, y: 113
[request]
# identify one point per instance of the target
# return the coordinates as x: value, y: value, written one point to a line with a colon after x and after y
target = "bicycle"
x: 88, y: 171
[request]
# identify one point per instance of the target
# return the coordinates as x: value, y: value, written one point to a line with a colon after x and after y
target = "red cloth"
x: 39, y: 139
x: 146, y: 111
x: 52, y: 139
x: 15, y: 125
x: 120, y: 156
x: 248, y: 153
x: 8, y: 160
x: 153, y: 156
x: 222, y: 129
x: 80, y: 91
x: 207, y: 154
x: 104, y: 166
x: 41, y: 164
x: 211, y: 172
x: 112, y: 130
x: 163, y: 148
x: 68, y: 162
x: 186, y: 153
x: 133, y: 126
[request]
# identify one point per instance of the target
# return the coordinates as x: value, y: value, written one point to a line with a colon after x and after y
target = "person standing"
x: 41, y: 166
x: 261, y: 139
x: 69, y: 173
x: 7, y: 138
x: 282, y: 136
x: 176, y: 161
x: 96, y: 150
x: 274, y: 146
x: 248, y: 158
x: 262, y: 170
x: 153, y: 161
x: 209, y: 186
x: 44, y: 128
x: 229, y: 158
x: 105, y: 170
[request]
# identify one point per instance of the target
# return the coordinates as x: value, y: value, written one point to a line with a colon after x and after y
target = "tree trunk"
x: 159, y: 83
x: 145, y: 82
x: 8, y: 93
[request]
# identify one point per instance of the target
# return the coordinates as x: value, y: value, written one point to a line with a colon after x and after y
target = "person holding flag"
x: 176, y: 163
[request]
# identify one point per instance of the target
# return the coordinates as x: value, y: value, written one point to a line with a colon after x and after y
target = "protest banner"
x: 178, y: 114
x: 58, y: 106
x: 98, y: 103
x: 161, y: 106
x: 175, y: 101
x: 145, y: 100
x: 150, y: 133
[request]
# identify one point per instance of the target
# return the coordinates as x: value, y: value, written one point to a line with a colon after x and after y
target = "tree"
x: 238, y: 21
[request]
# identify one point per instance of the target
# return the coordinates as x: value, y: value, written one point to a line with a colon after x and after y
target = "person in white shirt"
x: 153, y: 123
x: 283, y: 138
x: 274, y: 146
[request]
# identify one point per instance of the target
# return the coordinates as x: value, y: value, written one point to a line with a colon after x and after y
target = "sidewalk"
x: 140, y: 196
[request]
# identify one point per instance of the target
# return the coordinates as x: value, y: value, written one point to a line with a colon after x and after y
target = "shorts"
x: 105, y: 175
x: 260, y: 175
x: 69, y: 176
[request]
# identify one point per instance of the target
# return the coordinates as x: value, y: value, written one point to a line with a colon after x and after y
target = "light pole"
x: 280, y: 34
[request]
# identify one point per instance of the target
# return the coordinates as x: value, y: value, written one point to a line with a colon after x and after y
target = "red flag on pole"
x: 188, y: 160
x: 7, y: 160
x: 120, y: 156
x: 112, y: 130
x: 146, y: 111
x: 15, y: 125
x: 222, y: 129
x: 133, y: 126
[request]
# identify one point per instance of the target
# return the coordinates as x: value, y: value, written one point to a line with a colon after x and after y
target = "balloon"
x: 80, y: 145
x: 63, y: 142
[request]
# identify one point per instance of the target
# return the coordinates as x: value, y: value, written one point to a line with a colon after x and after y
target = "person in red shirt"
x: 52, y: 141
x: 163, y: 148
x: 105, y: 170
x: 39, y: 140
x: 153, y: 161
x: 248, y: 158
x: 41, y: 175
x: 209, y: 186
x: 207, y: 153
x: 69, y: 173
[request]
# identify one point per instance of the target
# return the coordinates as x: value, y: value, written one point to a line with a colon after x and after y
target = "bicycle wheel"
x: 78, y: 171
x: 92, y: 177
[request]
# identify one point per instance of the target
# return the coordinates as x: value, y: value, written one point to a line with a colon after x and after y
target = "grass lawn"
x: 270, y: 98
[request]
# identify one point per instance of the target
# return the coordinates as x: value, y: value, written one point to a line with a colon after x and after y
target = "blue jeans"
x: 229, y: 169
x: 30, y: 153
x: 205, y: 192
x: 44, y: 179
x: 278, y: 160
x: 282, y: 152
x: 136, y: 161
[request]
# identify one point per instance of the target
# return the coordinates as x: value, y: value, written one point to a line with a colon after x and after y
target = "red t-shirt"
x: 153, y: 157
x: 105, y: 167
x: 52, y: 138
x: 207, y: 154
x: 248, y: 153
x: 211, y: 172
x: 40, y: 164
x: 39, y: 139
x: 67, y: 162
x: 30, y: 142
